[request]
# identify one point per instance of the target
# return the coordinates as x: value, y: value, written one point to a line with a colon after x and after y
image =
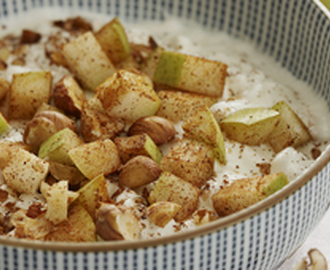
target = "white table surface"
x: 319, y: 238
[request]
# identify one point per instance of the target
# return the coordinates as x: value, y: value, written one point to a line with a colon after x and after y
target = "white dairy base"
x: 255, y: 78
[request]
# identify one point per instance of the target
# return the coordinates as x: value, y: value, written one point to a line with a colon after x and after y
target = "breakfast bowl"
x: 292, y: 34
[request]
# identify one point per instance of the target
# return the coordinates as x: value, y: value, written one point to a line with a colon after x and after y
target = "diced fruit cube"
x: 4, y: 126
x: 93, y: 194
x: 79, y: 227
x: 128, y: 95
x: 4, y: 87
x: 290, y: 130
x: 176, y: 106
x: 129, y: 147
x: 191, y: 73
x: 96, y: 124
x: 24, y: 172
x: 68, y: 96
x: 65, y: 172
x: 88, y: 61
x: 190, y: 160
x: 250, y: 126
x: 27, y: 92
x: 56, y: 147
x: 8, y: 148
x: 173, y: 189
x: 113, y: 40
x: 43, y: 126
x: 56, y: 196
x: 99, y: 157
x: 202, y: 126
x: 246, y: 192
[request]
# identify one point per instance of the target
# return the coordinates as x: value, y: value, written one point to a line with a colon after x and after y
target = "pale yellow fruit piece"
x: 56, y: 147
x: 24, y: 172
x: 93, y: 194
x: 128, y: 95
x: 4, y: 125
x: 191, y: 160
x: 88, y: 61
x: 56, y: 196
x: 289, y: 131
x: 65, y: 172
x: 176, y: 105
x: 4, y: 87
x: 191, y: 73
x: 114, y: 42
x: 130, y: 147
x: 202, y: 126
x: 245, y: 192
x: 79, y: 227
x: 250, y: 126
x: 173, y: 189
x: 99, y: 157
x: 27, y: 92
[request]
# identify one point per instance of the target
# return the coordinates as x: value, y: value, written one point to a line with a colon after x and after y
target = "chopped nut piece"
x: 68, y: 96
x: 139, y: 171
x: 163, y: 212
x: 29, y: 37
x: 315, y: 153
x: 77, y: 24
x: 129, y: 147
x: 117, y: 223
x: 264, y: 167
x: 204, y: 216
x: 159, y: 129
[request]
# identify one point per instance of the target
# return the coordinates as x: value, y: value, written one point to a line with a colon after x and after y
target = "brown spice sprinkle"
x: 29, y: 37
x: 264, y: 167
x: 315, y: 153
x: 76, y: 24
x: 35, y: 210
x: 3, y: 195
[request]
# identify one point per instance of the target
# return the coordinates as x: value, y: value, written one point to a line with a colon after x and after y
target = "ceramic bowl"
x: 294, y: 32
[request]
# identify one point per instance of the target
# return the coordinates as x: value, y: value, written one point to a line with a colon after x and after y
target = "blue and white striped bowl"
x: 294, y: 32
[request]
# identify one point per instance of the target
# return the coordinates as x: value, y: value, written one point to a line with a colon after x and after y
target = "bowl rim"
x: 209, y: 228
x: 212, y: 227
